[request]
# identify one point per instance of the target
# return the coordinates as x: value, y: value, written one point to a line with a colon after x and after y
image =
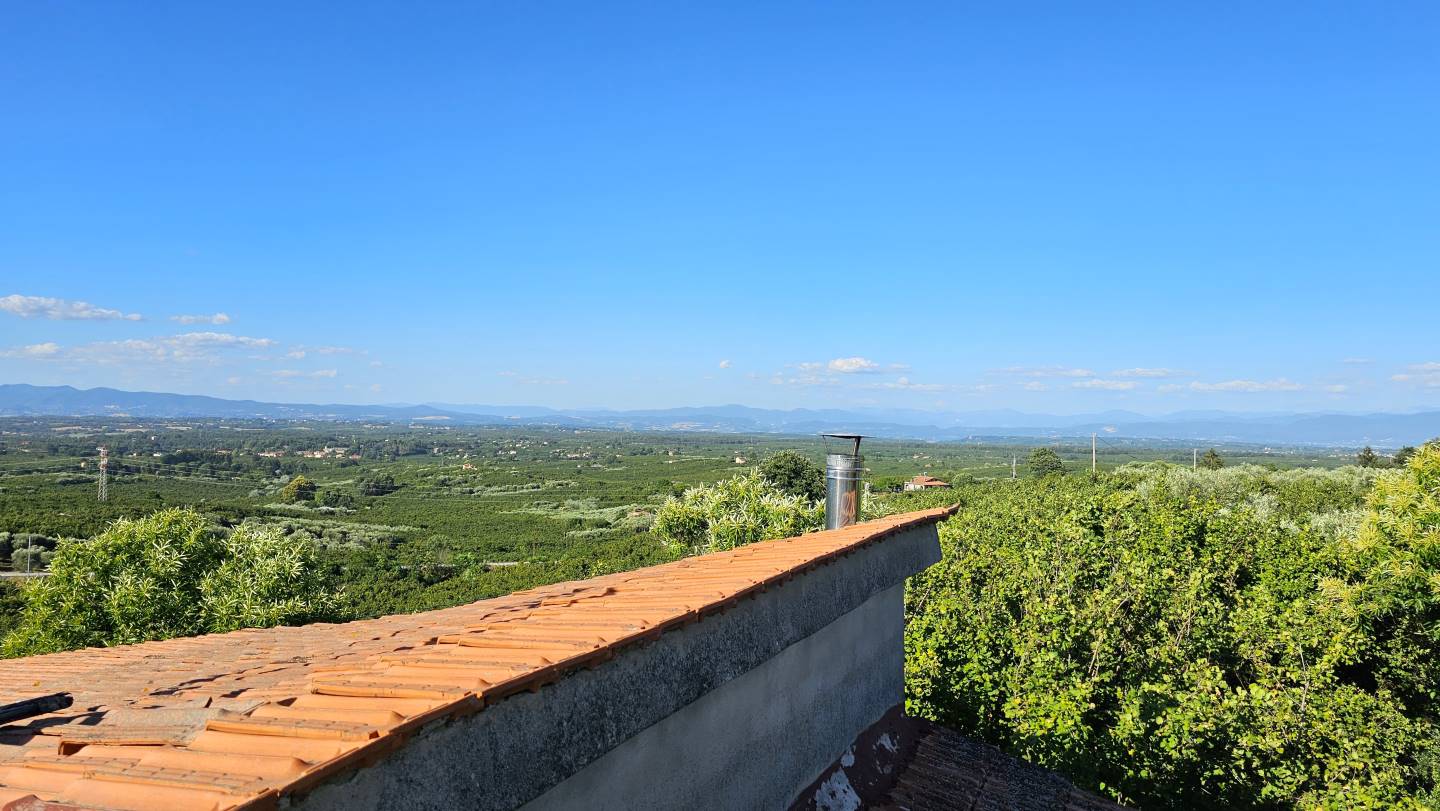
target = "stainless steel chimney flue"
x: 843, y: 472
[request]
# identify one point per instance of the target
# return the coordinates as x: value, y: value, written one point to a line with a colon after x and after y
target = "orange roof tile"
x: 239, y: 719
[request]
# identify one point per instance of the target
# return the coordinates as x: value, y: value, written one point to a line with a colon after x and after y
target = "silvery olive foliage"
x: 170, y: 574
x: 736, y: 511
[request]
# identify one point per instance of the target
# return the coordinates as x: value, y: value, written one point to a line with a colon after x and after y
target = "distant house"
x: 926, y: 483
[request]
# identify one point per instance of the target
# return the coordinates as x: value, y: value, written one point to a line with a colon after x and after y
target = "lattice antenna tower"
x: 104, y: 474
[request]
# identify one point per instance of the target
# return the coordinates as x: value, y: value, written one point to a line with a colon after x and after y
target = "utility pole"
x: 1194, y: 458
x: 104, y: 474
x: 1092, y: 453
x: 1013, y: 459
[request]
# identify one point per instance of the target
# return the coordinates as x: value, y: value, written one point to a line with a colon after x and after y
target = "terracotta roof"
x: 240, y: 719
x: 949, y: 771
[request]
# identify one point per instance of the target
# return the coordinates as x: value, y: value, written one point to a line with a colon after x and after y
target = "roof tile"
x: 234, y: 719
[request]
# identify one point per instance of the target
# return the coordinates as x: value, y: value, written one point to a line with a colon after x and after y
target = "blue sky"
x: 1052, y: 207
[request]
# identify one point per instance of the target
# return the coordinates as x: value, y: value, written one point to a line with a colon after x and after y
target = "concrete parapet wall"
x: 742, y: 709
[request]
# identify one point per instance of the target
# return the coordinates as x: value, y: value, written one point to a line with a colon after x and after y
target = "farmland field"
x: 414, y: 517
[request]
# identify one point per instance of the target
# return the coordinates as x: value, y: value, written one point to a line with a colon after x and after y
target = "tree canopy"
x: 165, y: 575
x: 1211, y: 460
x: 1045, y: 462
x: 794, y: 475
x: 299, y: 489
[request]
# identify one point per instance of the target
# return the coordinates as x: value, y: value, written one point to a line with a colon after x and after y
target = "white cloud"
x: 853, y: 366
x: 1423, y: 374
x: 188, y: 347
x: 290, y: 374
x: 527, y: 380
x: 906, y: 384
x: 1337, y: 388
x: 295, y: 354
x: 724, y: 364
x: 217, y: 319
x: 1278, y: 384
x: 376, y: 387
x: 1107, y: 385
x: 1044, y: 371
x: 805, y: 379
x: 1149, y: 372
x: 59, y: 309
x: 1034, y: 385
x: 45, y: 350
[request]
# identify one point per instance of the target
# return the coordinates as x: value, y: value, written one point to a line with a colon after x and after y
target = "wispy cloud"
x: 527, y: 380
x: 45, y: 350
x: 1105, y: 385
x: 1278, y: 384
x: 290, y: 374
x: 851, y: 366
x: 724, y: 364
x: 903, y: 383
x: 59, y: 309
x: 1150, y: 372
x: 1422, y: 374
x: 1043, y: 371
x: 803, y: 379
x: 216, y: 319
x: 300, y: 351
x: 189, y: 347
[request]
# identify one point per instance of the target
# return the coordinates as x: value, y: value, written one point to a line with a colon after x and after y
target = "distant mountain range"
x: 1383, y: 430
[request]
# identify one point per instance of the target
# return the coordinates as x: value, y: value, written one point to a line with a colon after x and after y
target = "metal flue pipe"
x: 843, y: 472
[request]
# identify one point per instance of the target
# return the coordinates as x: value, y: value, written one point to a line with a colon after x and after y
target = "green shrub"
x: 734, y: 512
x: 1184, y: 639
x: 166, y: 575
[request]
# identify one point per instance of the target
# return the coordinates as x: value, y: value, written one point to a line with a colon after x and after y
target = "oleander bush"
x: 1234, y: 638
x: 165, y: 575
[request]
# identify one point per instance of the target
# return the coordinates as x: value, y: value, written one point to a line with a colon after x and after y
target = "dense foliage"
x: 169, y: 574
x: 795, y: 475
x: 740, y: 510
x: 299, y: 489
x: 1195, y: 639
x: 1045, y: 462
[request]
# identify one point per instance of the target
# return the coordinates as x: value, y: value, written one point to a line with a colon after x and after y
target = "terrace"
x: 753, y: 678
